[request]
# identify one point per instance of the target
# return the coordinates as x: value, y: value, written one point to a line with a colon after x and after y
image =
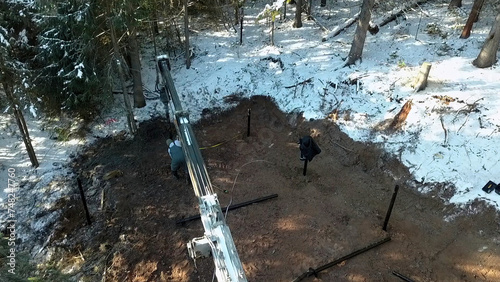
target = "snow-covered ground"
x: 466, y: 156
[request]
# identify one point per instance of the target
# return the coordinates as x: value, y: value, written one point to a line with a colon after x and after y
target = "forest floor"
x: 337, y: 208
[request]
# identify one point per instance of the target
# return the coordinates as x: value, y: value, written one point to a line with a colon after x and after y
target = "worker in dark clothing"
x: 308, y: 148
x: 177, y: 155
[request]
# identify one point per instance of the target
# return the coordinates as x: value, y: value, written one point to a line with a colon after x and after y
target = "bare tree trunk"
x: 21, y: 123
x: 156, y: 29
x: 284, y: 9
x: 272, y: 33
x: 130, y: 115
x: 309, y: 9
x: 241, y: 26
x: 237, y: 10
x: 298, y: 14
x: 455, y: 4
x: 473, y: 16
x: 488, y: 55
x: 177, y: 31
x: 186, y: 35
x: 360, y: 35
x: 135, y: 62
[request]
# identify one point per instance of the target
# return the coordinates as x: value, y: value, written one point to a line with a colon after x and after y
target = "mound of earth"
x: 339, y: 207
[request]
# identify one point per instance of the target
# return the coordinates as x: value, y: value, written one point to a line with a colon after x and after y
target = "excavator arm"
x: 216, y: 240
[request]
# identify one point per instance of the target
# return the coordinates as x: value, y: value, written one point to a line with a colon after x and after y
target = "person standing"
x: 175, y: 152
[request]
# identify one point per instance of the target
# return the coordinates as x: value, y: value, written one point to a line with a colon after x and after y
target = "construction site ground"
x: 337, y: 208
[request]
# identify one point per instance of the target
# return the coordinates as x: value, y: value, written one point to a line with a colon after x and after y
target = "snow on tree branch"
x: 270, y: 10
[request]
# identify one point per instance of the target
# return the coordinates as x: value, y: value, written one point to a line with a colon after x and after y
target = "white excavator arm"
x: 217, y: 240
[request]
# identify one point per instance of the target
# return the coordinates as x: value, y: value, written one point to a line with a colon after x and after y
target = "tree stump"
x: 421, y: 80
x: 400, y: 118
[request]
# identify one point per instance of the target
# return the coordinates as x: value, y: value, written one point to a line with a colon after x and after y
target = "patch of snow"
x: 79, y: 69
x: 33, y: 110
x: 22, y: 37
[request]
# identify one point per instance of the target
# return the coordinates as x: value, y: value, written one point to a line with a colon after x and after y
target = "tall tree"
x: 186, y: 35
x: 18, y: 115
x: 298, y: 14
x: 473, y: 17
x: 13, y: 71
x: 309, y: 9
x: 135, y: 69
x: 117, y: 59
x: 72, y: 59
x: 131, y: 22
x: 488, y: 55
x: 360, y: 34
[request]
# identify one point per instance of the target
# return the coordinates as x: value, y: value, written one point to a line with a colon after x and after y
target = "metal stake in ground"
x: 87, y: 215
x: 231, y: 207
x: 388, y: 215
x: 404, y: 278
x: 248, y: 124
x: 315, y: 272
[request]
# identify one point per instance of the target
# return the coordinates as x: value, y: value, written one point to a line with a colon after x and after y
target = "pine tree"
x: 72, y: 59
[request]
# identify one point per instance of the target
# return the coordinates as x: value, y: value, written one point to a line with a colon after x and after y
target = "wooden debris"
x: 376, y: 24
x: 445, y: 99
x: 421, y: 80
x: 334, y: 115
x: 319, y: 24
x: 300, y: 83
x: 275, y: 60
x: 347, y: 149
x: 396, y: 12
x: 340, y: 28
x: 303, y: 83
x: 113, y: 174
x: 400, y: 118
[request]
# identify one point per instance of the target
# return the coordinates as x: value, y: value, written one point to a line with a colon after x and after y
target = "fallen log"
x: 396, y: 12
x: 375, y: 25
x: 340, y: 28
x: 319, y: 24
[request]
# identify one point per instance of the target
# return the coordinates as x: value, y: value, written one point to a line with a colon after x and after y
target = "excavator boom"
x: 217, y: 240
